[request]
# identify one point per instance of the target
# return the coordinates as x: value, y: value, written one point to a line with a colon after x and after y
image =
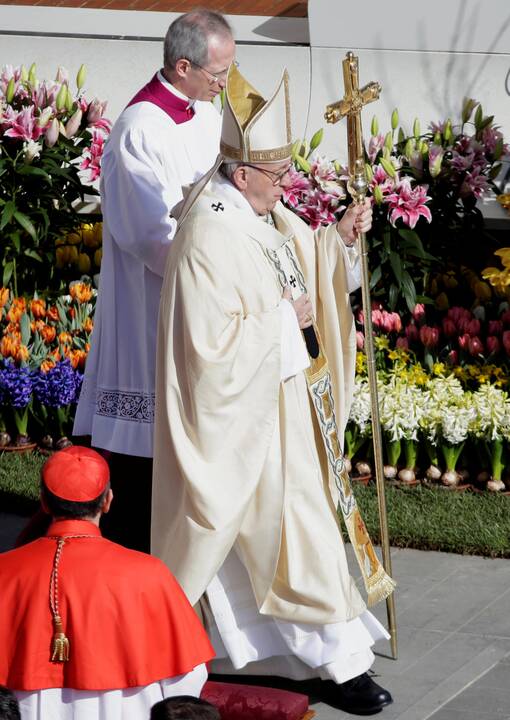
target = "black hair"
x: 9, y: 708
x: 184, y: 707
x: 60, y: 508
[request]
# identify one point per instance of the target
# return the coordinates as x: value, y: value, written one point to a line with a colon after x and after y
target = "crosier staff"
x: 355, y: 98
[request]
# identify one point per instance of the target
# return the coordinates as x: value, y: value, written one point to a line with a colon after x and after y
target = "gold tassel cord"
x: 60, y: 643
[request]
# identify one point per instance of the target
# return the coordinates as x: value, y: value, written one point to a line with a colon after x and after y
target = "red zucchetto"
x: 77, y: 474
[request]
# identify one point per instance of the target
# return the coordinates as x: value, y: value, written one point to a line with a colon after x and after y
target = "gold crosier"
x: 355, y: 98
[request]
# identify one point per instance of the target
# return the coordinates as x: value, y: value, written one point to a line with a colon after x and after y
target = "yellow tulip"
x: 504, y: 254
x: 60, y: 257
x: 87, y: 233
x: 84, y: 263
x: 442, y: 302
x: 74, y: 238
x: 482, y: 290
x: 72, y: 255
x: 98, y: 256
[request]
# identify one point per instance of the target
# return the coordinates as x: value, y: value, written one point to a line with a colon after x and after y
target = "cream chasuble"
x: 238, y: 454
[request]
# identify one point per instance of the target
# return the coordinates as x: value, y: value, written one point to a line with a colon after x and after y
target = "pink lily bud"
x: 412, y: 333
x: 45, y: 117
x: 464, y: 341
x: 449, y: 327
x: 429, y: 335
x: 360, y: 340
x: 52, y: 133
x: 403, y: 342
x: 473, y: 327
x: 475, y: 346
x: 506, y: 341
x: 62, y: 75
x: 419, y: 312
x: 495, y: 327
x: 493, y: 344
x: 95, y: 111
x: 73, y: 124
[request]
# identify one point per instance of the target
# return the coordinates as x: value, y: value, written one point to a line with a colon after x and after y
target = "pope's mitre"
x: 255, y: 130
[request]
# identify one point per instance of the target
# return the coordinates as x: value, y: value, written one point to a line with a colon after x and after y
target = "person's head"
x: 198, y: 50
x: 9, y: 707
x: 262, y: 184
x: 184, y: 707
x: 75, y: 484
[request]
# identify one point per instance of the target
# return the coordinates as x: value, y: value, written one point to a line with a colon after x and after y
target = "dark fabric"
x: 249, y: 702
x: 129, y: 520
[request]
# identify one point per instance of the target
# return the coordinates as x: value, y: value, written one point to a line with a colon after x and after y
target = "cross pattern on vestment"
x: 292, y: 281
x: 351, y: 106
x: 217, y: 207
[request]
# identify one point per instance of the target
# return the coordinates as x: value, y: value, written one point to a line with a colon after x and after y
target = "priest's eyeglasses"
x: 275, y: 177
x: 215, y: 77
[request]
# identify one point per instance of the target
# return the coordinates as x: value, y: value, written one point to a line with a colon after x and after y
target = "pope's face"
x: 206, y: 81
x: 265, y: 183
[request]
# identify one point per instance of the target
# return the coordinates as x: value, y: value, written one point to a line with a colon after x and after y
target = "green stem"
x: 432, y: 453
x: 411, y: 452
x: 15, y: 277
x: 496, y: 459
x: 451, y: 454
x: 21, y: 420
x: 393, y: 451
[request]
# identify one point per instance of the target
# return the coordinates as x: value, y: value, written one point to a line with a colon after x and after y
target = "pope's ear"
x: 240, y: 177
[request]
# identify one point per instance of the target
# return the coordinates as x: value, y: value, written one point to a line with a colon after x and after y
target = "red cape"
x: 128, y: 621
x: 156, y: 93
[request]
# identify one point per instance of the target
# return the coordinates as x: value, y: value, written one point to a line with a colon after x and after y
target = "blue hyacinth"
x: 16, y: 385
x: 59, y: 386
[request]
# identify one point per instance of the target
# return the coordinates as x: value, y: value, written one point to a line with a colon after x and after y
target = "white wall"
x: 426, y: 54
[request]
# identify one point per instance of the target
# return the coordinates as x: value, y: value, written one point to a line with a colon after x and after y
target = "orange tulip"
x: 13, y: 329
x: 22, y: 353
x: 65, y: 338
x: 4, y: 296
x: 52, y: 313
x: 48, y: 334
x: 17, y: 309
x: 88, y: 325
x: 38, y: 325
x: 38, y: 308
x: 80, y: 292
x: 8, y: 346
x: 77, y: 358
x: 47, y: 365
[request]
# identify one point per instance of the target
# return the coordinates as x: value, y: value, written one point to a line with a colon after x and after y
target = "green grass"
x: 419, y: 517
x: 440, y: 519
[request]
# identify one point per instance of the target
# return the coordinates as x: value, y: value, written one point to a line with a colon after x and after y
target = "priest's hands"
x: 356, y: 219
x: 302, y: 307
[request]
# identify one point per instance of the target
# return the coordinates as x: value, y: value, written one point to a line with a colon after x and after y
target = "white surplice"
x: 128, y: 704
x: 147, y: 160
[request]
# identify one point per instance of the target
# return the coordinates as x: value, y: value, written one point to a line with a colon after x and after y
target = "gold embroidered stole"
x: 378, y: 583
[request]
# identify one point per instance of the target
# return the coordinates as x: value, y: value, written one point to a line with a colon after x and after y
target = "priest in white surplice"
x: 244, y: 508
x: 165, y: 139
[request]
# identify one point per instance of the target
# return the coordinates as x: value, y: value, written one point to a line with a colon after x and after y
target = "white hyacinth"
x: 401, y: 407
x: 443, y: 397
x: 456, y: 420
x: 492, y: 412
x: 361, y: 413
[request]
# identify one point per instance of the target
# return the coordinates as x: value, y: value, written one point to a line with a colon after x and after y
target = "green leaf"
x: 393, y: 296
x: 375, y: 276
x: 33, y: 254
x: 16, y: 241
x: 31, y: 170
x: 424, y: 299
x: 7, y: 213
x: 24, y: 324
x: 26, y: 224
x: 396, y: 266
x: 8, y: 268
x: 409, y: 290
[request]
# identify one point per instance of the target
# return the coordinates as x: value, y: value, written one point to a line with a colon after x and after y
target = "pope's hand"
x: 356, y: 219
x: 302, y: 307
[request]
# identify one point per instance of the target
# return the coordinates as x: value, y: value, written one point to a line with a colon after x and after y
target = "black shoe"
x: 360, y: 696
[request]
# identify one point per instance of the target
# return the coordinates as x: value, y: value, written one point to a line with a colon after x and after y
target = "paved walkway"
x: 453, y: 617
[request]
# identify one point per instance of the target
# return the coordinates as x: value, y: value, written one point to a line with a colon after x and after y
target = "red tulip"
x: 403, y: 342
x: 493, y: 344
x: 495, y: 327
x: 419, y: 312
x: 453, y: 357
x: 464, y: 341
x: 397, y: 322
x: 412, y: 333
x: 377, y: 318
x: 475, y: 346
x: 429, y: 335
x: 473, y: 327
x: 360, y: 340
x: 506, y: 341
x: 506, y: 317
x: 449, y: 327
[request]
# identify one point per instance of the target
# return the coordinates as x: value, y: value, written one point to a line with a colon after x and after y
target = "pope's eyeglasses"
x: 275, y: 177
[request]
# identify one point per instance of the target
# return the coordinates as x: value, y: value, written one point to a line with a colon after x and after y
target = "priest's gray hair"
x: 188, y: 36
x: 227, y: 169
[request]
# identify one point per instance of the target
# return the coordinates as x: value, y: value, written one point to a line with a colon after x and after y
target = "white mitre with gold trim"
x: 253, y: 130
